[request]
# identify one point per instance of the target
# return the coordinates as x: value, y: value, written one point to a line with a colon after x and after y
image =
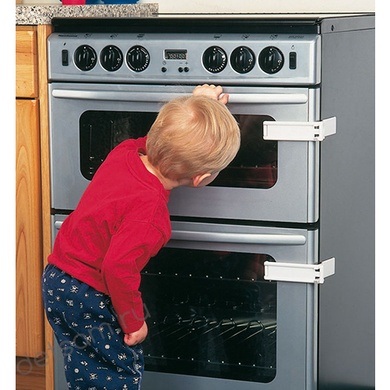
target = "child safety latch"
x: 299, y: 131
x: 300, y: 273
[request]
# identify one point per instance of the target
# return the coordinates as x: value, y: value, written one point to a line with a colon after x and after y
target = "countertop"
x: 43, y: 14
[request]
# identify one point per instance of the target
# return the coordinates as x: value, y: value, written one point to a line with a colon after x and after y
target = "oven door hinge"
x: 299, y: 131
x: 300, y: 273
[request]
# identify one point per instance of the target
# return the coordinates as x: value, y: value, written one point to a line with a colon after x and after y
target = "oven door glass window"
x: 210, y: 314
x: 255, y: 165
x: 101, y: 131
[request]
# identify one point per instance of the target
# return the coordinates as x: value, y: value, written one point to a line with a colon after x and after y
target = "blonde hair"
x: 192, y: 135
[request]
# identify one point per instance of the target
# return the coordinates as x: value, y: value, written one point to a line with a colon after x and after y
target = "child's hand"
x: 136, y: 337
x: 212, y: 91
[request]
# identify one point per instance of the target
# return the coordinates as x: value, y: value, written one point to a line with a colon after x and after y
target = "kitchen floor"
x: 29, y: 376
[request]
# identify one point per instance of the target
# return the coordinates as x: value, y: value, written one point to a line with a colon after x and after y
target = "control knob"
x: 138, y: 58
x: 85, y: 57
x: 214, y: 59
x: 271, y: 60
x: 111, y: 58
x: 242, y: 59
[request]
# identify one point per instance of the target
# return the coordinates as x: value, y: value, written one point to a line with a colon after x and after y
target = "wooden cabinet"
x: 26, y: 62
x: 33, y: 242
x: 29, y: 310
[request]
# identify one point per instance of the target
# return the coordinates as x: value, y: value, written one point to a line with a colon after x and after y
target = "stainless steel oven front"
x: 232, y: 301
x: 105, y: 87
x: 88, y: 120
x: 216, y: 321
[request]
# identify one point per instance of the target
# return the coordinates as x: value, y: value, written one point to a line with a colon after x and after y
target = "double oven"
x: 235, y: 298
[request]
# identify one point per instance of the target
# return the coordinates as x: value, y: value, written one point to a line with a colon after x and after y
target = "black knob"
x: 138, y: 58
x: 85, y: 57
x: 242, y: 59
x: 111, y: 58
x: 214, y: 59
x: 271, y: 60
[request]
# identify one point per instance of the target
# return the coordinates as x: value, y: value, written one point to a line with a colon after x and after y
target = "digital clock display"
x: 175, y: 54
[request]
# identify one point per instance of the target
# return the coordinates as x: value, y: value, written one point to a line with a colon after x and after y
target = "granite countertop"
x: 43, y: 14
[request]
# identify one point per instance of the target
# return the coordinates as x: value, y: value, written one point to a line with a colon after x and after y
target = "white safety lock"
x: 300, y: 273
x: 299, y: 131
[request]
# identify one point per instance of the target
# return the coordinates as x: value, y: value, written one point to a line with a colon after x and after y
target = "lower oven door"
x: 278, y: 179
x: 215, y: 323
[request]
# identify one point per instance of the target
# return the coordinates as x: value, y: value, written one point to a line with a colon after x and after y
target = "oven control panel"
x: 188, y: 58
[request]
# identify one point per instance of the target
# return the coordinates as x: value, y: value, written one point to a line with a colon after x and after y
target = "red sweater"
x: 121, y: 221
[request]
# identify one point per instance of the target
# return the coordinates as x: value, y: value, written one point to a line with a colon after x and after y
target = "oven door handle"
x: 233, y: 238
x: 157, y: 97
x: 268, y: 98
x: 239, y: 238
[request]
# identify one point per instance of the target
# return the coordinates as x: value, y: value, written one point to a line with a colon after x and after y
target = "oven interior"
x: 255, y: 165
x: 210, y: 313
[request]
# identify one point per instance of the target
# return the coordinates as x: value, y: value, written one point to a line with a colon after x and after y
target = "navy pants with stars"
x: 89, y: 335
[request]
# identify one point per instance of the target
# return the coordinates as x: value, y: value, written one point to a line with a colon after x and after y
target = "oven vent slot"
x: 299, y: 131
x: 300, y: 273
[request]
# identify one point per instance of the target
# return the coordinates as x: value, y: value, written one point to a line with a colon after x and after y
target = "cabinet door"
x: 29, y: 308
x: 26, y: 62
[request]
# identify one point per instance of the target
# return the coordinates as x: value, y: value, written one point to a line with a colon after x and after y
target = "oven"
x: 234, y: 299
x: 213, y: 315
x: 122, y: 103
x: 97, y: 117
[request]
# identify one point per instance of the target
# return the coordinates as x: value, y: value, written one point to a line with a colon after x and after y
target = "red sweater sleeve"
x: 130, y: 249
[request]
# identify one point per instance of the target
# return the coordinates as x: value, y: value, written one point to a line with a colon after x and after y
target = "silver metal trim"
x: 161, y: 97
x: 239, y: 238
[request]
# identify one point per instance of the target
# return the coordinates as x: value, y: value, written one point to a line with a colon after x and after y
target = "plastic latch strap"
x: 299, y: 273
x: 299, y: 131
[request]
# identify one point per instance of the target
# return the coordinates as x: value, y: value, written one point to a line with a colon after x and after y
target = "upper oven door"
x: 267, y: 181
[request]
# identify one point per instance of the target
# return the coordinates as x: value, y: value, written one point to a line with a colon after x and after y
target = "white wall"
x: 41, y: 2
x: 263, y: 6
x: 250, y: 6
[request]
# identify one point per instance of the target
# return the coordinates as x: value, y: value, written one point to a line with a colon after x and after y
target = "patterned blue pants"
x: 89, y: 335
